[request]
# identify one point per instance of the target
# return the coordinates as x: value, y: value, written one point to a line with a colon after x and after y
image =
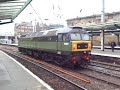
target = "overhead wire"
x: 58, y: 13
x: 36, y: 14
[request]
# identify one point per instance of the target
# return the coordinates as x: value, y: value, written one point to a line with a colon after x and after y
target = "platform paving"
x: 14, y: 76
x: 106, y: 52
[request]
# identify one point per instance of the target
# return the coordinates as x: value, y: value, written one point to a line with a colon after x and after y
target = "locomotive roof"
x: 54, y: 32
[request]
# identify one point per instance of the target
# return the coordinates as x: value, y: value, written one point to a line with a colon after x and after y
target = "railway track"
x: 91, y: 78
x: 111, y: 72
x: 101, y: 77
x: 106, y: 68
x: 105, y: 65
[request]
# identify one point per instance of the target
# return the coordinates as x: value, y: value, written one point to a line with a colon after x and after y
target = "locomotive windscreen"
x: 78, y: 36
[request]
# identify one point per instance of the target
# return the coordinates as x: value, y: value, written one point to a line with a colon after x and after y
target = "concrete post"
x: 118, y: 39
x: 102, y: 40
x: 102, y: 21
x: 92, y: 37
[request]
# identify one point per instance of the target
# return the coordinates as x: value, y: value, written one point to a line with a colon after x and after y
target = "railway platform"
x: 14, y: 76
x: 106, y: 52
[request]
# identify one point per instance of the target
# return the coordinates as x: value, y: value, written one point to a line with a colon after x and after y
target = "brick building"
x: 22, y: 28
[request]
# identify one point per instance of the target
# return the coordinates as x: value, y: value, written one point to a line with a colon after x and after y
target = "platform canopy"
x: 104, y: 26
x: 10, y: 9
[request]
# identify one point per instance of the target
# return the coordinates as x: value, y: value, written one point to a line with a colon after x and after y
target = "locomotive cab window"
x: 66, y: 37
x: 85, y: 36
x: 75, y: 36
x: 59, y: 37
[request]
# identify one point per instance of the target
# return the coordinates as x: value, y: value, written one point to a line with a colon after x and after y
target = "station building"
x: 96, y: 19
x: 93, y: 19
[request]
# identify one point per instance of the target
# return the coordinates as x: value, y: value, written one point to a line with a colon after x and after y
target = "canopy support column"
x: 118, y: 39
x: 102, y: 40
x: 92, y: 37
x: 102, y: 21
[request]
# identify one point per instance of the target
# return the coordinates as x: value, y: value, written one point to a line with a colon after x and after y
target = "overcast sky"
x: 53, y: 9
x: 68, y: 8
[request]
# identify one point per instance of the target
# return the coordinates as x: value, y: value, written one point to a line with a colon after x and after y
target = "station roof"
x: 10, y: 9
x: 104, y: 26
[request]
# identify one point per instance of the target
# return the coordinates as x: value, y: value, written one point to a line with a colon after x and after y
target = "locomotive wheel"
x: 35, y: 54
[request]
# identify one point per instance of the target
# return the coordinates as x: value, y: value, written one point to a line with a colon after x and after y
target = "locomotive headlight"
x: 74, y: 46
x: 89, y: 46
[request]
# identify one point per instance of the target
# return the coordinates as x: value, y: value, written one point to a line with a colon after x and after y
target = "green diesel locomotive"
x: 64, y: 46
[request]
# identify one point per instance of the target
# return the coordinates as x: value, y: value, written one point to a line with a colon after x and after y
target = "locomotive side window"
x: 66, y: 37
x: 59, y: 37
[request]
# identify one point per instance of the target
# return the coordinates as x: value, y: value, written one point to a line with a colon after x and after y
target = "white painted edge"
x: 110, y: 55
x: 36, y: 77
